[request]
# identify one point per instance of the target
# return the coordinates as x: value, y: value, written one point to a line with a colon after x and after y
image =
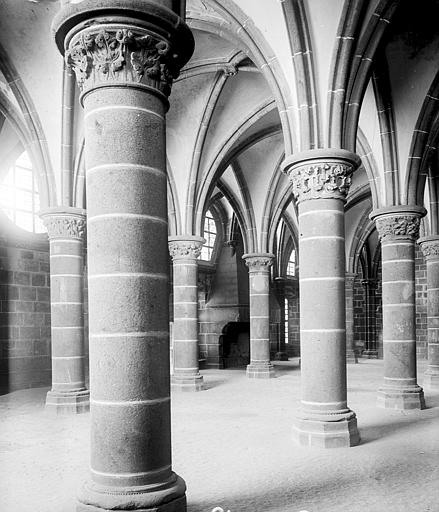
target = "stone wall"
x: 360, y: 314
x: 25, y: 314
x: 421, y: 303
x: 223, y: 299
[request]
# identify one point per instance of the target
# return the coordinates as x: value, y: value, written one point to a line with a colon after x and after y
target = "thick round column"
x: 430, y: 249
x: 125, y: 54
x: 351, y: 354
x: 259, y: 285
x: 321, y: 180
x: 66, y: 230
x: 184, y: 251
x: 398, y: 228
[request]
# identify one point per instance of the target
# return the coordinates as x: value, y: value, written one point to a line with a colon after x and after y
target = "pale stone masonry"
x: 398, y: 229
x: 320, y: 182
x: 66, y: 228
x: 259, y: 264
x: 184, y: 251
x: 125, y: 72
x: 430, y: 249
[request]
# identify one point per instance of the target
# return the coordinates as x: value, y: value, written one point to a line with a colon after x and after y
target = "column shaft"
x: 66, y: 228
x: 430, y: 248
x: 184, y: 251
x: 321, y: 180
x: 260, y: 366
x: 398, y: 230
x: 124, y: 66
x: 323, y: 328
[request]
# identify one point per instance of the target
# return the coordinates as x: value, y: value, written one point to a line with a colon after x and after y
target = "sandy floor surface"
x: 232, y: 444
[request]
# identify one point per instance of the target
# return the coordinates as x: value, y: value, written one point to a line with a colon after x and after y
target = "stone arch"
x: 26, y: 122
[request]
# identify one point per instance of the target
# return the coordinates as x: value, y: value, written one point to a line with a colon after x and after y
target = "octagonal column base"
x: 188, y: 383
x: 431, y: 379
x: 260, y: 371
x: 327, y: 434
x: 169, y: 497
x: 402, y: 399
x: 76, y: 402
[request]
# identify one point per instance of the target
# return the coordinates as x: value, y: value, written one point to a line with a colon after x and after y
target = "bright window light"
x: 291, y: 267
x: 210, y: 236
x: 19, y: 198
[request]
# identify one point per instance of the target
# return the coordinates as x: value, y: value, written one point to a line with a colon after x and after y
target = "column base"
x: 190, y: 383
x: 342, y: 433
x: 76, y: 402
x: 281, y: 356
x: 351, y: 357
x: 402, y: 399
x: 262, y: 371
x: 370, y: 354
x: 431, y: 379
x: 169, y: 498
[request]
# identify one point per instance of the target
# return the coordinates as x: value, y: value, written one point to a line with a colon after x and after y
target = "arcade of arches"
x: 198, y: 186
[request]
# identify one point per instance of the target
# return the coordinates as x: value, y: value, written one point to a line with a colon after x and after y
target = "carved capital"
x: 107, y: 54
x: 65, y: 223
x: 321, y: 174
x: 258, y: 262
x: 143, y: 44
x: 430, y: 247
x: 185, y: 247
x: 398, y: 222
x: 399, y: 226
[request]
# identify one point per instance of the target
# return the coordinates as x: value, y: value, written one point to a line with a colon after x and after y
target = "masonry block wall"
x: 360, y: 314
x: 227, y: 301
x: 276, y: 325
x: 421, y: 303
x: 378, y: 310
x: 25, y: 357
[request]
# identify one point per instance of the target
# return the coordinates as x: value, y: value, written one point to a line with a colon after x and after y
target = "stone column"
x: 259, y: 264
x: 351, y: 354
x: 184, y: 251
x: 66, y: 230
x: 398, y: 228
x: 125, y: 55
x: 430, y: 249
x: 320, y: 182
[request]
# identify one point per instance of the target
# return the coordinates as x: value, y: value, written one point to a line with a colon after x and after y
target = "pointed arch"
x: 26, y: 120
x: 422, y: 146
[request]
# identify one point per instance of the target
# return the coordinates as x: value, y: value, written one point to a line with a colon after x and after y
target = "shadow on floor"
x: 406, y: 422
x: 281, y: 497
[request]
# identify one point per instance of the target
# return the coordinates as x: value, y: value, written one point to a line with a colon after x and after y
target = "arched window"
x: 291, y: 267
x: 209, y: 234
x: 19, y: 197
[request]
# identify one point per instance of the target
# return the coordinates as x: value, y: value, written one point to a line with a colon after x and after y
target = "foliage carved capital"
x: 258, y: 262
x: 65, y: 224
x: 108, y: 54
x: 429, y: 247
x: 398, y: 227
x: 321, y: 173
x: 185, y: 248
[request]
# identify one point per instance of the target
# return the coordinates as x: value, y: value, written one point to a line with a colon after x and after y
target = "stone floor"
x: 232, y: 444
